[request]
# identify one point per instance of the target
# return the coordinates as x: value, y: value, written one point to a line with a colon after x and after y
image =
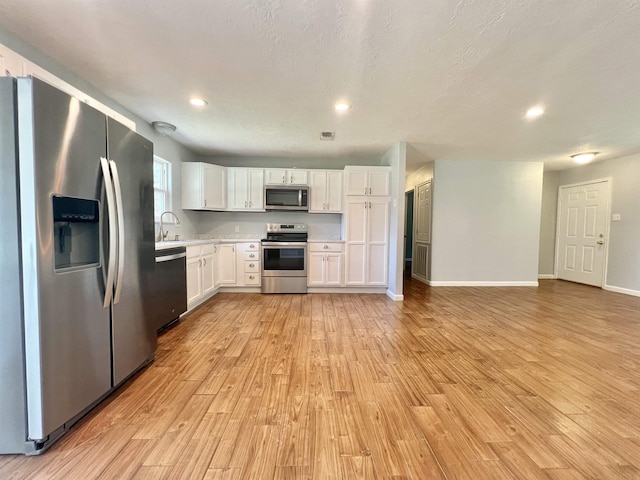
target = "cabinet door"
x: 297, y: 177
x: 356, y: 216
x: 227, y: 263
x: 315, y: 269
x: 333, y: 269
x: 216, y: 267
x: 356, y: 182
x: 194, y: 280
x: 214, y: 187
x: 255, y: 189
x: 379, y: 182
x: 237, y: 188
x: 318, y: 191
x: 208, y: 274
x: 275, y: 176
x: 334, y: 191
x: 377, y: 254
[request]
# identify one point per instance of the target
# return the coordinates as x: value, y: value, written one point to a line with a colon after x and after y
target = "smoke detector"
x: 327, y: 136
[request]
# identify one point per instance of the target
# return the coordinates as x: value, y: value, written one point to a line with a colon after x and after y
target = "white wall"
x: 396, y: 158
x: 486, y: 223
x: 546, y: 260
x: 623, y: 263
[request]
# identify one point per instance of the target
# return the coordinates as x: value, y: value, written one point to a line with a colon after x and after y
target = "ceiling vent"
x: 327, y: 136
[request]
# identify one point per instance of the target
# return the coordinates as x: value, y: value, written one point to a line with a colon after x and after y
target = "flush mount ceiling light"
x: 585, y: 157
x: 534, y: 112
x: 342, y: 107
x: 163, y: 128
x: 198, y: 102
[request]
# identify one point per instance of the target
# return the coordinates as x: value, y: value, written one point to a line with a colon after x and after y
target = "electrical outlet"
x: 237, y: 228
x: 616, y: 217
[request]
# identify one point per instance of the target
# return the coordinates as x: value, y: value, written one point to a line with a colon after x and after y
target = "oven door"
x: 284, y: 259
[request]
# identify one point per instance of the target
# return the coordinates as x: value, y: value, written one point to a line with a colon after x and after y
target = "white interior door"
x: 582, y: 232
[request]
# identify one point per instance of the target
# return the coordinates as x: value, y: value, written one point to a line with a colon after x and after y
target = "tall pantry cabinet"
x: 366, y: 226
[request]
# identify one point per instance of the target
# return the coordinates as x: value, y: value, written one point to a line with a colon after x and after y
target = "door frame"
x: 607, y: 226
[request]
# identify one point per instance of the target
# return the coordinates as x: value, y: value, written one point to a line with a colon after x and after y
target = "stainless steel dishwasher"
x: 170, y: 285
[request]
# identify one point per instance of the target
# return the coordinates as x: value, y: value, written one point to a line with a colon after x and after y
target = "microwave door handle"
x: 299, y: 197
x: 120, y: 217
x: 111, y: 258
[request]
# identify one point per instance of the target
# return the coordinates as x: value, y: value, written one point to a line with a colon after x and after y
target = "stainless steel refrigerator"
x: 76, y: 263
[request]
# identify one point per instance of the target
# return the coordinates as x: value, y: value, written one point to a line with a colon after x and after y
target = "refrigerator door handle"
x: 120, y: 218
x: 111, y: 258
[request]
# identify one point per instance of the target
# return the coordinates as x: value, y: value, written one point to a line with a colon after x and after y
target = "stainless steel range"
x: 284, y: 258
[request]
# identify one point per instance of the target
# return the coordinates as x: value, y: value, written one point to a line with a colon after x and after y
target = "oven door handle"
x: 284, y: 244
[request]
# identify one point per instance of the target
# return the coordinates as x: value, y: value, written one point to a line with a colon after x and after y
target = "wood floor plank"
x: 465, y: 383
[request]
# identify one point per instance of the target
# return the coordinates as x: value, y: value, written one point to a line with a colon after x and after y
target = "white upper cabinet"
x: 245, y: 189
x: 325, y: 191
x: 370, y: 181
x: 282, y: 176
x: 204, y: 186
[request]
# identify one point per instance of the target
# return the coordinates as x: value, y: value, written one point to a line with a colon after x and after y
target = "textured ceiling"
x: 452, y: 78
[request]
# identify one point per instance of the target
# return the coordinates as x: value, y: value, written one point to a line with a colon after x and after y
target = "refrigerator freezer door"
x: 134, y: 335
x: 12, y: 397
x: 67, y: 330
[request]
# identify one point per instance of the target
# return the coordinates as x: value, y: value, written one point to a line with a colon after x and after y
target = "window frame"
x: 165, y: 189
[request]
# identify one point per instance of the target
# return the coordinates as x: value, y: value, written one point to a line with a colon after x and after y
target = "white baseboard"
x: 373, y: 290
x: 419, y: 278
x: 481, y: 284
x: 394, y: 297
x: 546, y: 276
x: 626, y: 291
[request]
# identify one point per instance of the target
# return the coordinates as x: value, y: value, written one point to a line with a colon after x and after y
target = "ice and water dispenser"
x: 76, y: 228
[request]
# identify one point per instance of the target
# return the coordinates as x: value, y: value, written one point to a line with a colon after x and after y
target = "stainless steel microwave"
x: 283, y: 197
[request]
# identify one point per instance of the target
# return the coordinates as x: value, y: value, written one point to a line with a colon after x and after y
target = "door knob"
x: 600, y: 242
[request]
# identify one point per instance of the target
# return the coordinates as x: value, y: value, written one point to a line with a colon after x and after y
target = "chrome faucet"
x: 163, y: 234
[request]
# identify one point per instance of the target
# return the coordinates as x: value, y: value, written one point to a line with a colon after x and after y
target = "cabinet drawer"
x: 253, y: 247
x: 253, y: 256
x: 208, y: 248
x: 326, y: 247
x: 252, y: 279
x: 194, y: 251
x: 251, y: 266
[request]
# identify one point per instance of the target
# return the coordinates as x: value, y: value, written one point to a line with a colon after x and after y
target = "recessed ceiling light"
x: 534, y: 112
x: 585, y: 157
x: 198, y: 102
x: 341, y: 107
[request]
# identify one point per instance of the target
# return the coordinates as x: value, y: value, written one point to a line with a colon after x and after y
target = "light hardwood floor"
x: 452, y: 383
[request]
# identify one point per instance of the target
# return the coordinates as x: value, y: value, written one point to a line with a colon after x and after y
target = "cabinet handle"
x: 250, y: 204
x: 369, y: 205
x: 369, y: 190
x: 252, y: 255
x: 252, y: 265
x: 252, y: 246
x: 365, y: 190
x: 251, y: 277
x: 200, y: 262
x: 233, y: 248
x: 291, y: 178
x: 283, y: 179
x: 215, y: 249
x: 204, y: 262
x: 326, y: 247
x: 205, y: 202
x: 365, y: 205
x: 245, y: 204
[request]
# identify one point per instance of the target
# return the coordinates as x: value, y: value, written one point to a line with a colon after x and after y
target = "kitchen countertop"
x: 189, y: 243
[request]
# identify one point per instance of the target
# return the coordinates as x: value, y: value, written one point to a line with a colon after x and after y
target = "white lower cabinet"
x: 201, y: 273
x: 366, y: 241
x: 325, y: 264
x: 227, y: 264
x: 248, y: 264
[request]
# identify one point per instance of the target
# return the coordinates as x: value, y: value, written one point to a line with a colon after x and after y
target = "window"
x: 161, y: 186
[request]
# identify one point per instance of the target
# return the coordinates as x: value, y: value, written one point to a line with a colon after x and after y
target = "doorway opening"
x: 408, y: 231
